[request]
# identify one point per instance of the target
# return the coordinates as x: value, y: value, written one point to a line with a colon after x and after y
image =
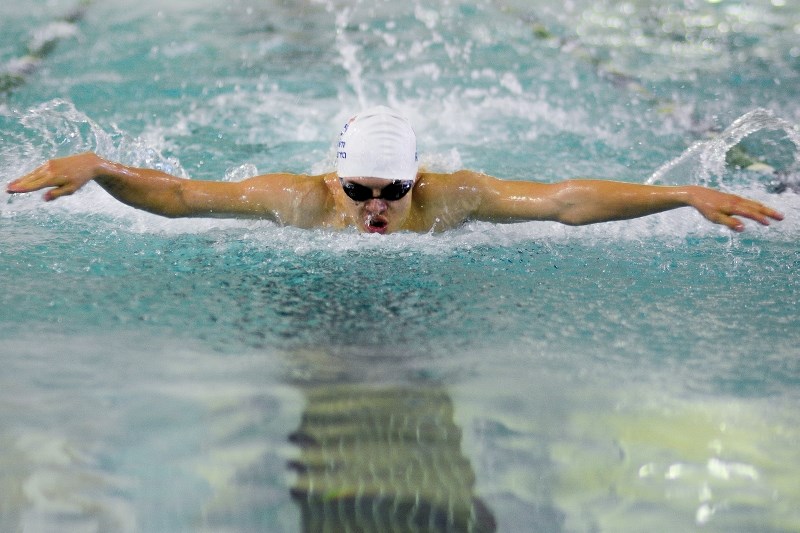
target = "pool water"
x: 224, y: 375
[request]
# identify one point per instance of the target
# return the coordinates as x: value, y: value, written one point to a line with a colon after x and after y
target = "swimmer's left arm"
x: 586, y: 201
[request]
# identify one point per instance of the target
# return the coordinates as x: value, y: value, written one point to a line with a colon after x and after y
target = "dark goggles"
x: 394, y: 191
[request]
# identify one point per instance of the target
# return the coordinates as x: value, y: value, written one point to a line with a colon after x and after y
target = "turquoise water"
x: 210, y: 375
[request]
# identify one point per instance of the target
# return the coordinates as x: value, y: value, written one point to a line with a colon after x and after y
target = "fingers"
x: 728, y: 209
x: 41, y: 178
x: 768, y: 212
x: 733, y: 223
x: 57, y: 192
x: 755, y: 211
x: 30, y: 182
x: 742, y: 207
x: 19, y: 185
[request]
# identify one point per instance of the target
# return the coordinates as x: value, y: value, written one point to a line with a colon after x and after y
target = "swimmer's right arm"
x: 151, y: 190
x: 158, y: 192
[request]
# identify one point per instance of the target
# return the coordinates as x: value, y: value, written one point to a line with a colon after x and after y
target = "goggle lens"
x: 392, y: 192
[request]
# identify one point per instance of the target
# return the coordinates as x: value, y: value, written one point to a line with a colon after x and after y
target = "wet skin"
x: 440, y: 201
x: 377, y: 215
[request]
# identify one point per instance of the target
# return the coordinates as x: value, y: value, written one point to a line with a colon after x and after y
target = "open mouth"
x: 377, y: 224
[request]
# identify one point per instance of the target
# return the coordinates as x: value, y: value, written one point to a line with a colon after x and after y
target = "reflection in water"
x: 383, y: 459
x: 379, y: 453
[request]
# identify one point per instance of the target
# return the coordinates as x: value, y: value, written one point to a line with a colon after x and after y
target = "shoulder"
x: 285, y: 179
x: 446, y: 200
x: 295, y: 199
x: 459, y: 182
x: 468, y: 195
x: 466, y: 187
x: 285, y: 185
x: 446, y: 178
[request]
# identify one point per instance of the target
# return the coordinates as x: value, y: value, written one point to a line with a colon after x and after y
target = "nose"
x: 376, y: 205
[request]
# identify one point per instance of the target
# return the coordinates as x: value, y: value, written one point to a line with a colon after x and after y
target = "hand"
x: 720, y: 208
x: 65, y: 175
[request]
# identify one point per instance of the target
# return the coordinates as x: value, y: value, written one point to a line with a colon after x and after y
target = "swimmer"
x: 377, y: 187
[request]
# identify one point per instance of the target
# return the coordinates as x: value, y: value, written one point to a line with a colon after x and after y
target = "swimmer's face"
x: 378, y: 205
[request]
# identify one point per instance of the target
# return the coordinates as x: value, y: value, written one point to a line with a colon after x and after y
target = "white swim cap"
x: 377, y: 143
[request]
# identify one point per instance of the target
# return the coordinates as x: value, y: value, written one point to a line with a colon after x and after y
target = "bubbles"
x: 240, y: 173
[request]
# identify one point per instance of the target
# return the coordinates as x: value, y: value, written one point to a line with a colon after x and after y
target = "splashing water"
x: 606, y: 378
x: 708, y: 157
x: 57, y: 129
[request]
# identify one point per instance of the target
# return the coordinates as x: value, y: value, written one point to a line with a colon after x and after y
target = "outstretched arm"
x: 270, y: 196
x: 151, y: 190
x: 578, y: 202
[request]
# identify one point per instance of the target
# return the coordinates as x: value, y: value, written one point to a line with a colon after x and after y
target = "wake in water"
x: 42, y: 41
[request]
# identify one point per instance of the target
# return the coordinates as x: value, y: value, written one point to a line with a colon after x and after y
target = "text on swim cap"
x: 341, y: 153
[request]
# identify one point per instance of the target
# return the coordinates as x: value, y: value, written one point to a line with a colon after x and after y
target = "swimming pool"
x: 208, y: 375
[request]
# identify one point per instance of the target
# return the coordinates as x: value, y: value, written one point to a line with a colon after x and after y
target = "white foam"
x: 55, y: 121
